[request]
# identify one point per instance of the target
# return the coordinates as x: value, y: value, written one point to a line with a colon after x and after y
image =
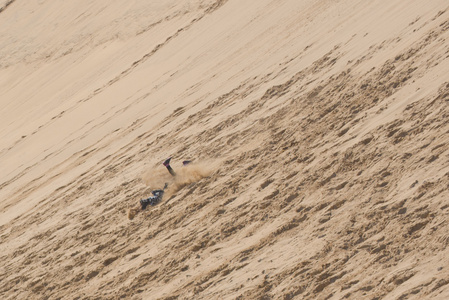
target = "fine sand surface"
x: 318, y: 130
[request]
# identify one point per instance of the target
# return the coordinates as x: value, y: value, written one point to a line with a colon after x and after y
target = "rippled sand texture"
x: 318, y: 131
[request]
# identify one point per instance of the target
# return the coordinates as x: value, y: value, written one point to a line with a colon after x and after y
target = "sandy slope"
x: 318, y: 131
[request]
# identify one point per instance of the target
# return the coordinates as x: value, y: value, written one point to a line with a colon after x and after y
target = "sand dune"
x: 318, y: 131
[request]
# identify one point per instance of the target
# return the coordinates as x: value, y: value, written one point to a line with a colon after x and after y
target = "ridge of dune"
x: 318, y: 133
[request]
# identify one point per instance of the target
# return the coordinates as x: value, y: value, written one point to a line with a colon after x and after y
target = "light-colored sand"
x: 319, y: 133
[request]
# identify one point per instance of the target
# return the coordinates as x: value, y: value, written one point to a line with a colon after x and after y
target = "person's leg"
x: 166, y: 163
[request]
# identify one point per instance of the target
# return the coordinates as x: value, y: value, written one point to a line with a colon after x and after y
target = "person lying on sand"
x: 157, y: 194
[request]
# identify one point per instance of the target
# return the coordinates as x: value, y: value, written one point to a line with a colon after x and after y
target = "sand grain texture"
x: 318, y: 131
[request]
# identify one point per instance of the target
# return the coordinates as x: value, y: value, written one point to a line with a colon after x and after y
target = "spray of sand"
x: 188, y: 174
